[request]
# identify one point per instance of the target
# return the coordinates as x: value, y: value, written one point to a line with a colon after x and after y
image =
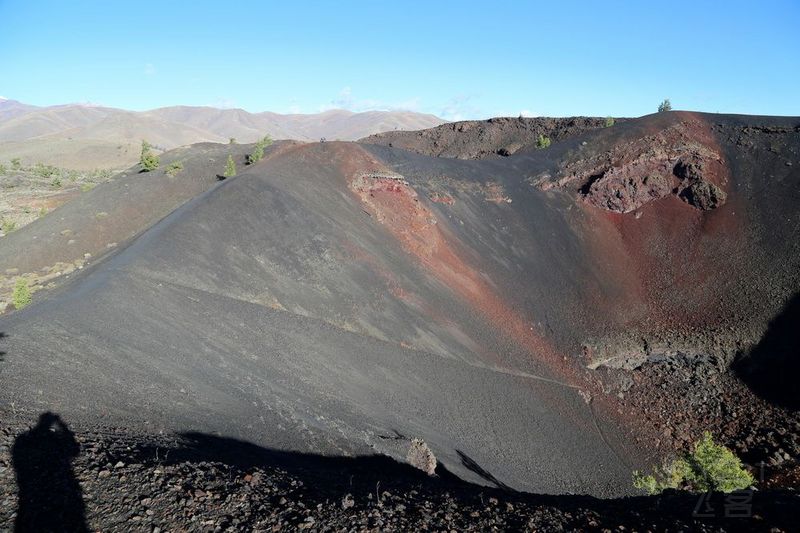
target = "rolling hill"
x: 86, y: 137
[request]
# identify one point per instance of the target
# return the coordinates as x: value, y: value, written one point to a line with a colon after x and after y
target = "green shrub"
x: 258, y: 151
x: 86, y: 187
x: 100, y: 174
x: 666, y: 105
x: 542, y: 142
x: 148, y: 160
x: 174, y: 167
x: 42, y: 211
x: 21, y: 297
x: 230, y: 168
x: 7, y: 225
x: 46, y: 171
x: 3, y: 169
x: 709, y: 467
x: 56, y: 182
x: 609, y: 122
x: 232, y: 140
x: 16, y: 164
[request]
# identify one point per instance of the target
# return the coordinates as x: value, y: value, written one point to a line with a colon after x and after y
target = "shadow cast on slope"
x: 470, y: 464
x: 51, y: 499
x: 49, y: 495
x: 772, y: 368
x: 2, y: 352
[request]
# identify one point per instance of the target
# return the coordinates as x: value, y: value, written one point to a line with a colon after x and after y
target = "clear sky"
x: 456, y: 59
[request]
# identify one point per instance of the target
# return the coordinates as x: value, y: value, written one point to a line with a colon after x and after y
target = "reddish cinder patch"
x: 390, y: 199
x: 496, y: 194
x: 659, y: 268
x: 442, y: 199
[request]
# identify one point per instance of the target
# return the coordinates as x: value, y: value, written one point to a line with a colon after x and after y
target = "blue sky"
x: 454, y: 59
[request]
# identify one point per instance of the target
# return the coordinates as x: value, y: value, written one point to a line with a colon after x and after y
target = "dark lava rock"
x: 622, y: 193
x: 703, y: 195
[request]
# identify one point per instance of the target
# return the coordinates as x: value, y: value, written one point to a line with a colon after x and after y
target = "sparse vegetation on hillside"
x: 232, y: 140
x: 21, y: 297
x: 258, y: 151
x: 542, y: 141
x: 230, y: 168
x: 709, y: 467
x: 666, y: 105
x: 173, y: 168
x: 148, y: 160
x: 42, y: 187
x: 45, y: 171
x: 609, y: 122
x: 16, y: 164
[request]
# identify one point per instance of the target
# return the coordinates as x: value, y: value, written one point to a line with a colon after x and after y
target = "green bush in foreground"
x: 21, y: 296
x: 609, y: 122
x: 148, y: 160
x: 709, y: 467
x: 542, y: 142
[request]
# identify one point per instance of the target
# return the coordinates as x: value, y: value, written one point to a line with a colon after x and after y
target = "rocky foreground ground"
x: 54, y: 478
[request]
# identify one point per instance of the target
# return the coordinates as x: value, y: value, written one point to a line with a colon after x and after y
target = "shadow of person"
x: 49, y: 496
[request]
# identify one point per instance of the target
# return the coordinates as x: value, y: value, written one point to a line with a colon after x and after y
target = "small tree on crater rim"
x: 148, y: 160
x: 542, y: 142
x: 258, y: 151
x: 666, y: 105
x: 230, y: 168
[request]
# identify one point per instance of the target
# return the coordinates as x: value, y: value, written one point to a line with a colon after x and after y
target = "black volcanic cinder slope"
x: 186, y: 329
x: 341, y: 298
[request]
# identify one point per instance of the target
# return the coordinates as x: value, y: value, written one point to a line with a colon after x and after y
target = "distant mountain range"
x: 88, y: 136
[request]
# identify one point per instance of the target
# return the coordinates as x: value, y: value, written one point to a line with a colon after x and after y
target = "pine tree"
x: 148, y: 160
x: 258, y: 151
x: 230, y: 168
x: 666, y: 105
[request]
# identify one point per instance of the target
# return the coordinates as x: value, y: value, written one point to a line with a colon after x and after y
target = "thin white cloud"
x: 149, y: 70
x: 459, y: 108
x: 223, y: 103
x: 346, y: 100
